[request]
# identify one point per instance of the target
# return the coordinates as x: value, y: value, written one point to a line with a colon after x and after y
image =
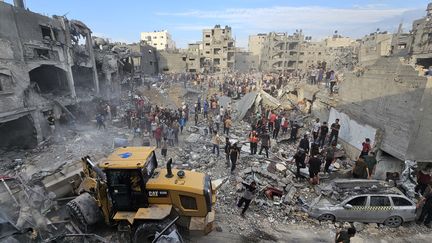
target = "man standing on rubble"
x: 227, y: 150
x: 216, y: 141
x: 314, y: 169
x: 277, y: 125
x: 100, y: 121
x: 253, y: 140
x: 323, y: 134
x: 294, y: 129
x: 272, y: 118
x: 227, y: 125
x: 299, y: 159
x: 217, y: 121
x: 234, y: 156
x: 366, y: 147
x: 315, y: 129
x: 265, y: 143
x: 335, y: 127
x: 304, y: 144
x: 158, y: 136
x: 205, y: 108
x: 371, y: 162
x: 329, y: 157
x: 247, y: 197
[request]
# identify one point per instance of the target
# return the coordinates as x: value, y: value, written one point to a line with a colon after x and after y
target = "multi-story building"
x: 161, y: 40
x: 193, y: 61
x: 281, y: 51
x: 311, y: 53
x: 218, y: 49
x: 256, y: 43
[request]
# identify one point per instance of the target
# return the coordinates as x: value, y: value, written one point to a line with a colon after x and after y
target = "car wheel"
x: 393, y: 221
x: 327, y: 217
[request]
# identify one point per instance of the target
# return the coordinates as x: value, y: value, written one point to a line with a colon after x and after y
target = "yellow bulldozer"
x: 129, y: 191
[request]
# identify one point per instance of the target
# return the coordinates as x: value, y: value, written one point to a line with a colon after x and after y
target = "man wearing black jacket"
x: 323, y: 134
x: 304, y: 144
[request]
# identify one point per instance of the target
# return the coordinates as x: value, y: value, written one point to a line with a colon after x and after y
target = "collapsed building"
x: 281, y: 51
x: 46, y: 65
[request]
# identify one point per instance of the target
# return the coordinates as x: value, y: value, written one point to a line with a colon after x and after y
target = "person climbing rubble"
x: 247, y: 197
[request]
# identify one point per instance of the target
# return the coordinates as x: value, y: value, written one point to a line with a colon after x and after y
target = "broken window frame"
x: 48, y: 32
x: 6, y: 83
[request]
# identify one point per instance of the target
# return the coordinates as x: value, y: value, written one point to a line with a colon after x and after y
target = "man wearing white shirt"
x: 315, y: 129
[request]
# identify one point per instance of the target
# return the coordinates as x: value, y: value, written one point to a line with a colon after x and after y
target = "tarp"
x: 244, y: 104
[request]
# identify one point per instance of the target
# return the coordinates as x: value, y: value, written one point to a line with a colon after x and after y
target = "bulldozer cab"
x: 127, y: 171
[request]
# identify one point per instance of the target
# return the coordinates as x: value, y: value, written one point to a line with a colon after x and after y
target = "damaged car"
x: 363, y: 201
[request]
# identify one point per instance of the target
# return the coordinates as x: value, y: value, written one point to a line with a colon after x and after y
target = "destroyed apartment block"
x: 47, y: 65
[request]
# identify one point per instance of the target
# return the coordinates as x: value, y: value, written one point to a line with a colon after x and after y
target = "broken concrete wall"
x: 387, y: 97
x: 19, y: 133
x: 352, y: 133
x: 171, y: 62
x: 149, y: 62
x: 419, y: 147
x: 35, y: 71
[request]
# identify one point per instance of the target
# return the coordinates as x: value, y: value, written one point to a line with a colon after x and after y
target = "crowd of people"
x: 316, y: 149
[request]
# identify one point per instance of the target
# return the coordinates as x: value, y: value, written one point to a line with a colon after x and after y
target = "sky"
x: 185, y: 19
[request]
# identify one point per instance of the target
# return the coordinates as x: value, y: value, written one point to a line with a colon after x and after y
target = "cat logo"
x: 157, y: 193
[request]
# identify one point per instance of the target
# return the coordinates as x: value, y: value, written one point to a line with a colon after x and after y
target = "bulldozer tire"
x: 76, y: 215
x: 84, y: 211
x: 146, y: 232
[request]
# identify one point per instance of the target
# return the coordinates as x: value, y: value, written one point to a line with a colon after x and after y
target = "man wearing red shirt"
x: 366, y: 148
x: 272, y: 120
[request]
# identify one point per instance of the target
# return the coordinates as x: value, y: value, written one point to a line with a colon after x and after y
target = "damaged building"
x: 46, y: 65
x: 281, y: 51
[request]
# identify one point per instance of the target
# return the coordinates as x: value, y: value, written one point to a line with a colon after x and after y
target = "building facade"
x: 46, y: 65
x: 218, y: 49
x: 281, y: 51
x: 194, y: 57
x: 256, y: 43
x: 161, y: 40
